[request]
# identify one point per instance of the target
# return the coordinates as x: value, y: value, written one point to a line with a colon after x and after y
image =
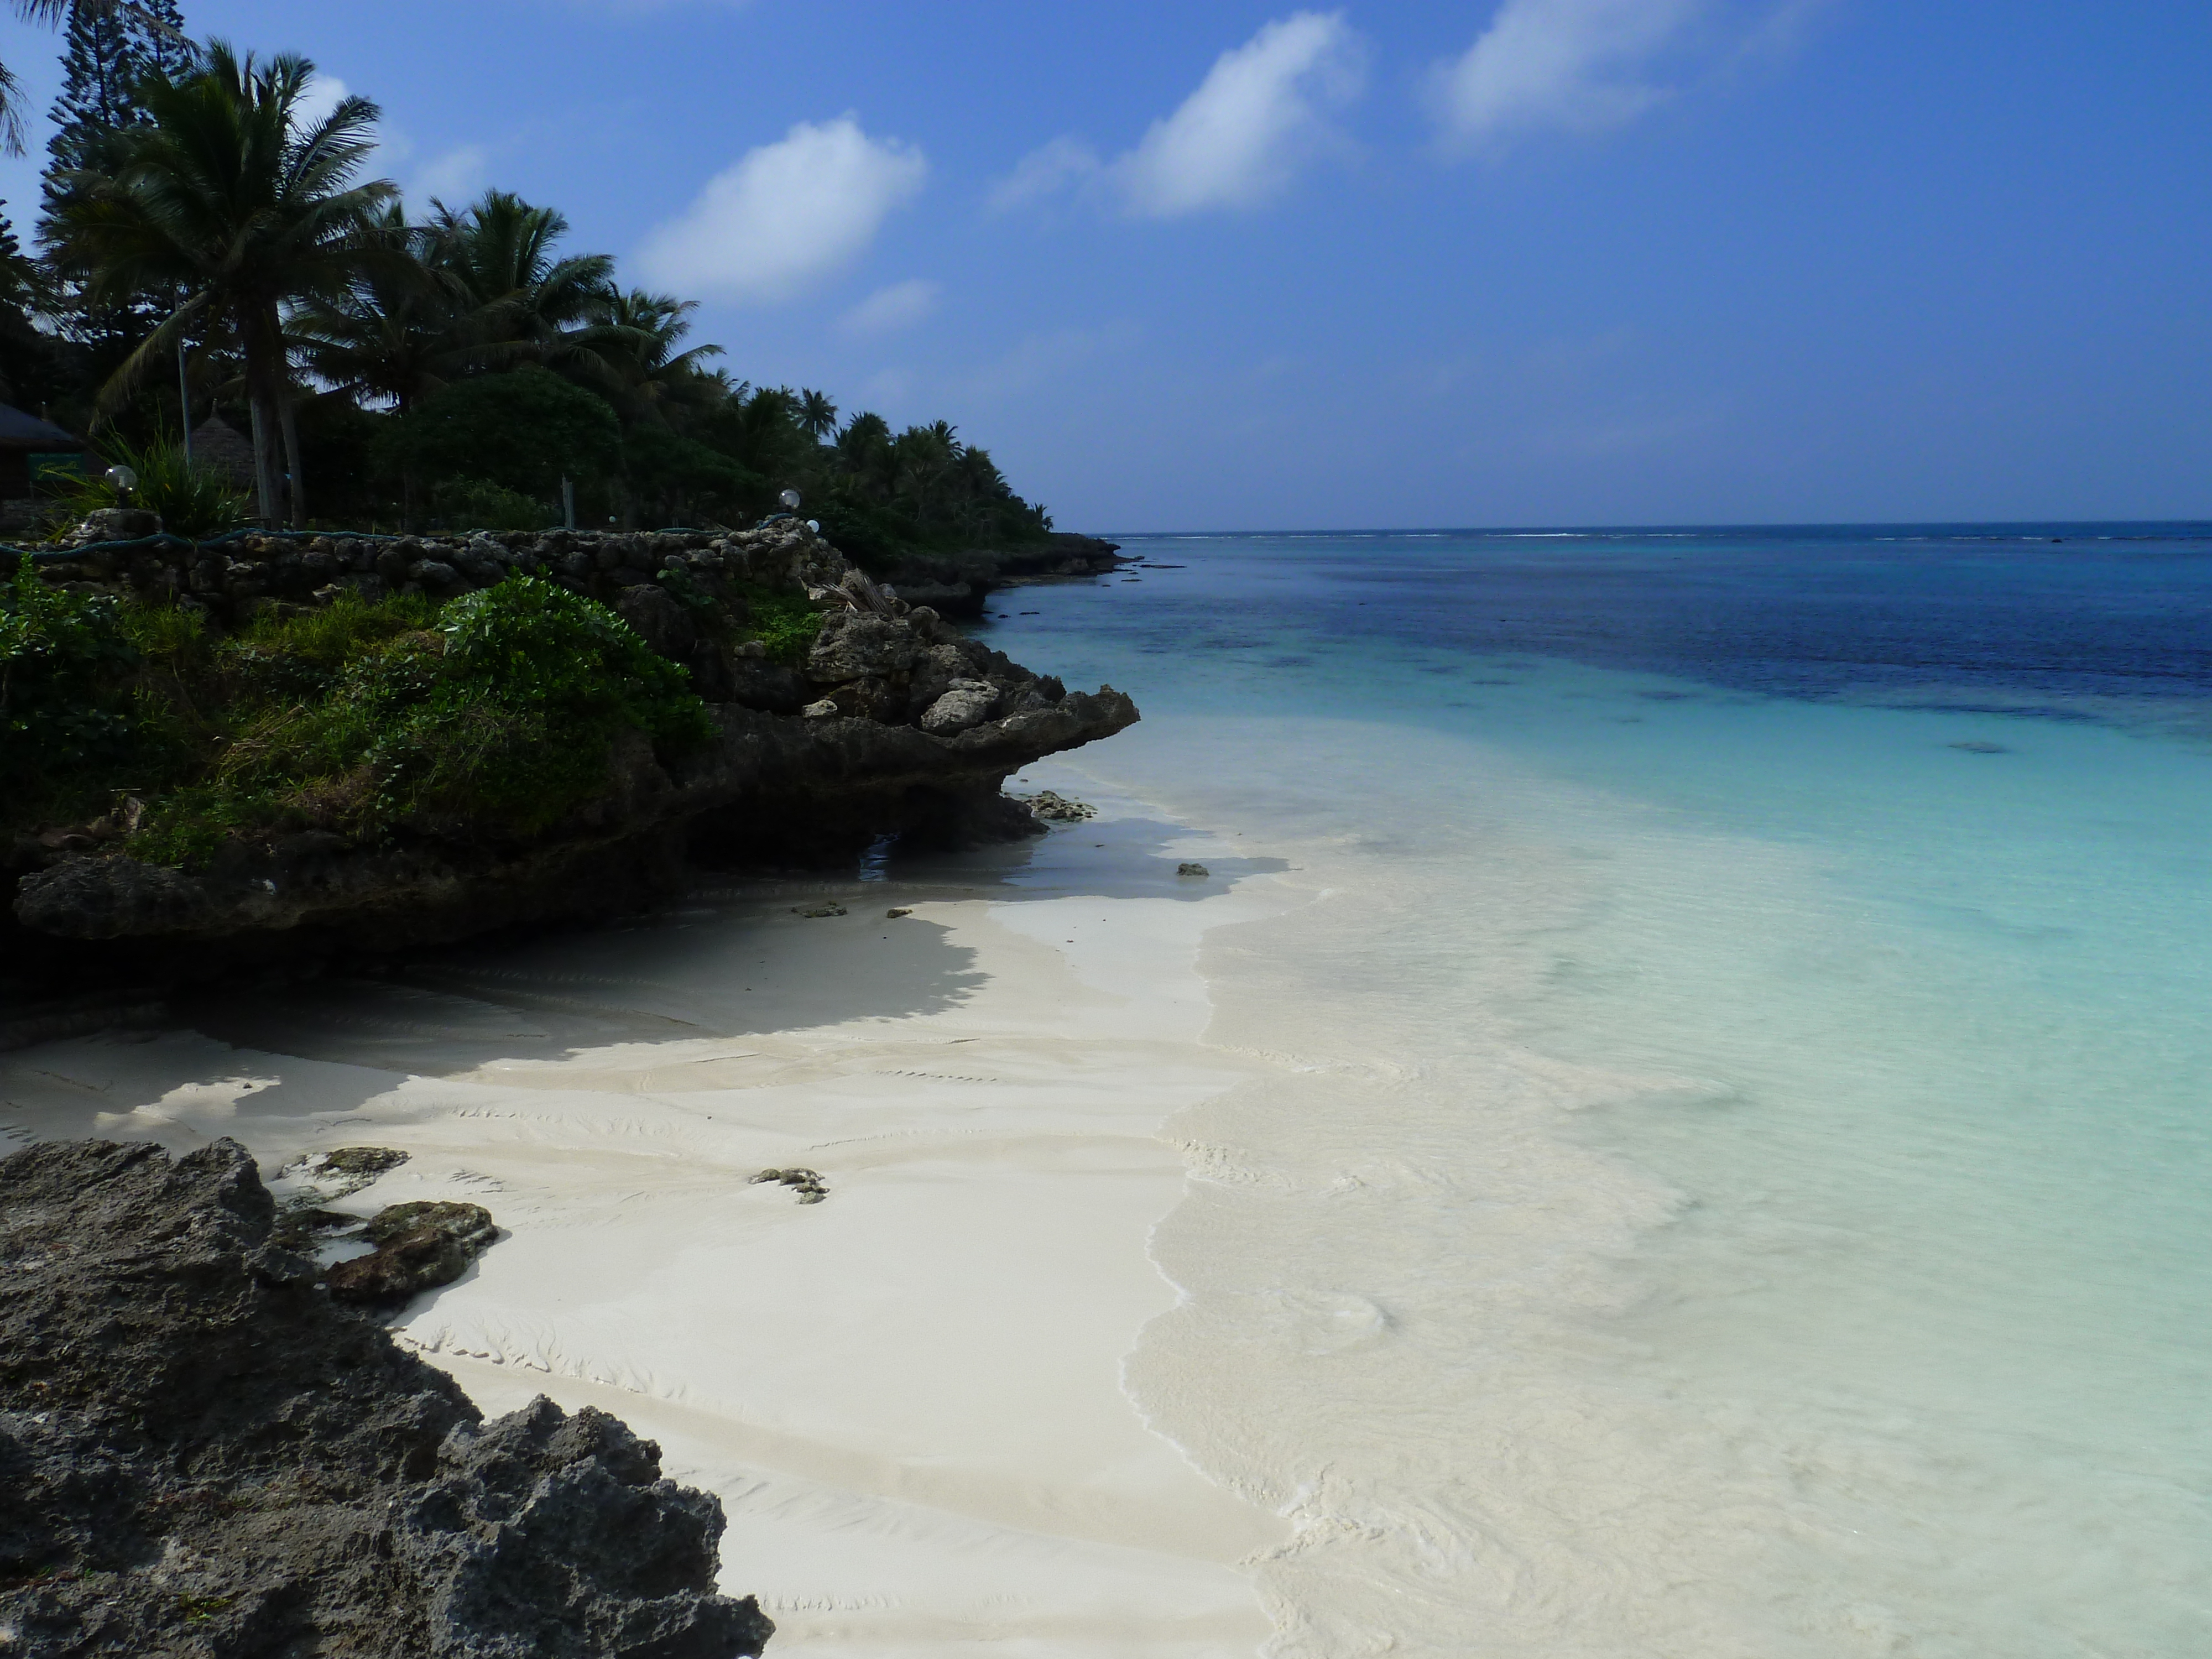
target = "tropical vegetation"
x: 210, y: 242
x: 497, y: 710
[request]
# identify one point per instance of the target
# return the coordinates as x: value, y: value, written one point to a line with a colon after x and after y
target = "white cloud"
x: 452, y: 178
x: 322, y: 94
x: 1259, y: 115
x: 1242, y: 135
x: 786, y: 213
x: 1567, y: 66
x: 888, y: 309
x: 1045, y: 172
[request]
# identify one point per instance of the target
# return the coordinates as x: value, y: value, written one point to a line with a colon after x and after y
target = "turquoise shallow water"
x: 1855, y: 887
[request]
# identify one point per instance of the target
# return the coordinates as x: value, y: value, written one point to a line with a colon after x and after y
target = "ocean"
x: 1734, y: 1173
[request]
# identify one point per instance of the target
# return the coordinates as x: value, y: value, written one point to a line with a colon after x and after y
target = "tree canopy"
x: 399, y: 356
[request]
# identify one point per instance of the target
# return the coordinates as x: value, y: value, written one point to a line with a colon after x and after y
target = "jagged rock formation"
x: 202, y: 1455
x: 958, y: 584
x: 228, y: 575
x: 895, y: 722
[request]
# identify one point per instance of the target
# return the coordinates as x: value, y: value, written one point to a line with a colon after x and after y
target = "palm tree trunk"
x: 261, y: 403
x: 298, y: 492
x: 265, y: 474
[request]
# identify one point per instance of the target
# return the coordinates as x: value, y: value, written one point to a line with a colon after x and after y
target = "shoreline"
x: 910, y: 1397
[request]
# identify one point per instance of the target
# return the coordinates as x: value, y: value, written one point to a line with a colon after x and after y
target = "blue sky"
x: 1215, y: 266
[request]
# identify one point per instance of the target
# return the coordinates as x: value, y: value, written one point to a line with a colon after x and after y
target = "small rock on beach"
x: 419, y: 1247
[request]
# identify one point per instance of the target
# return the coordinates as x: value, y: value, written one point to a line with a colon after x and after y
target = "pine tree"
x: 168, y: 51
x: 108, y: 51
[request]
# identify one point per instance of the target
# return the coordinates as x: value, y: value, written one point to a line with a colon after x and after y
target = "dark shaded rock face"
x: 201, y: 1456
x: 959, y: 584
x: 768, y: 785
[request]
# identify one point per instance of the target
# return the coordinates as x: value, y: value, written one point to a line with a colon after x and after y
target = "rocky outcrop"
x: 958, y: 584
x: 767, y: 786
x: 894, y: 723
x: 202, y: 1456
x: 229, y: 578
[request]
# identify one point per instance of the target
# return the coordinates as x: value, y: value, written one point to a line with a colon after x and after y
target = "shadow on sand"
x: 733, y: 960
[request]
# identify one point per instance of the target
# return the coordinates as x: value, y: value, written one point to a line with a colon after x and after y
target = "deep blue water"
x: 2042, y: 619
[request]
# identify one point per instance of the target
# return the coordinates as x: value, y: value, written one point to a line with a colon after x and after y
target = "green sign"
x: 57, y: 467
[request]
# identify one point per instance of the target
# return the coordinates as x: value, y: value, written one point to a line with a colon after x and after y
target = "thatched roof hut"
x: 217, y: 446
x: 25, y: 441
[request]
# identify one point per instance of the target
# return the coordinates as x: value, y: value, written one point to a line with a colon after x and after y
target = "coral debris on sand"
x: 201, y: 1454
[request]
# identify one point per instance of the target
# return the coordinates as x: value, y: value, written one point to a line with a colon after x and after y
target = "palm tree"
x: 528, y: 306
x: 229, y: 195
x: 817, y: 414
x: 637, y: 337
x: 401, y: 328
x: 864, y: 452
x: 921, y: 457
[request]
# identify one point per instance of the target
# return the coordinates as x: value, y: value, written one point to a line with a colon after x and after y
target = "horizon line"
x: 2176, y: 528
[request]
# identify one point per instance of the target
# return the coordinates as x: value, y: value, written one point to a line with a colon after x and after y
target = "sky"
x: 1220, y: 266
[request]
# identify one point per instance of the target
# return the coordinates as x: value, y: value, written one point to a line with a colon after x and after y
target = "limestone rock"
x: 1055, y: 808
x: 117, y: 524
x: 202, y: 1456
x: 853, y: 644
x: 662, y: 622
x: 965, y: 703
x: 419, y: 1247
x: 346, y: 1171
x: 750, y: 679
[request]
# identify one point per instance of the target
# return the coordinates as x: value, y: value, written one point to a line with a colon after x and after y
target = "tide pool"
x: 1738, y: 1174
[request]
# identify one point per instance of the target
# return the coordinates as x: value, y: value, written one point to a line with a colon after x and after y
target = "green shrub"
x: 192, y: 499
x: 786, y: 623
x: 536, y: 683
x: 480, y: 504
x: 62, y: 708
x: 524, y: 430
x: 498, y: 712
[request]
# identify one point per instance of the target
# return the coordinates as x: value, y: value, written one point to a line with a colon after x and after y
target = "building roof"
x: 27, y: 432
x: 218, y: 446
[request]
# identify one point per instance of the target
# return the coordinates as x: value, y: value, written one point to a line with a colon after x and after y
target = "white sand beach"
x: 910, y: 1397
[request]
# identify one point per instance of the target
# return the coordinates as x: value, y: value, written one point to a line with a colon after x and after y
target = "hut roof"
x: 218, y: 446
x: 28, y: 432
